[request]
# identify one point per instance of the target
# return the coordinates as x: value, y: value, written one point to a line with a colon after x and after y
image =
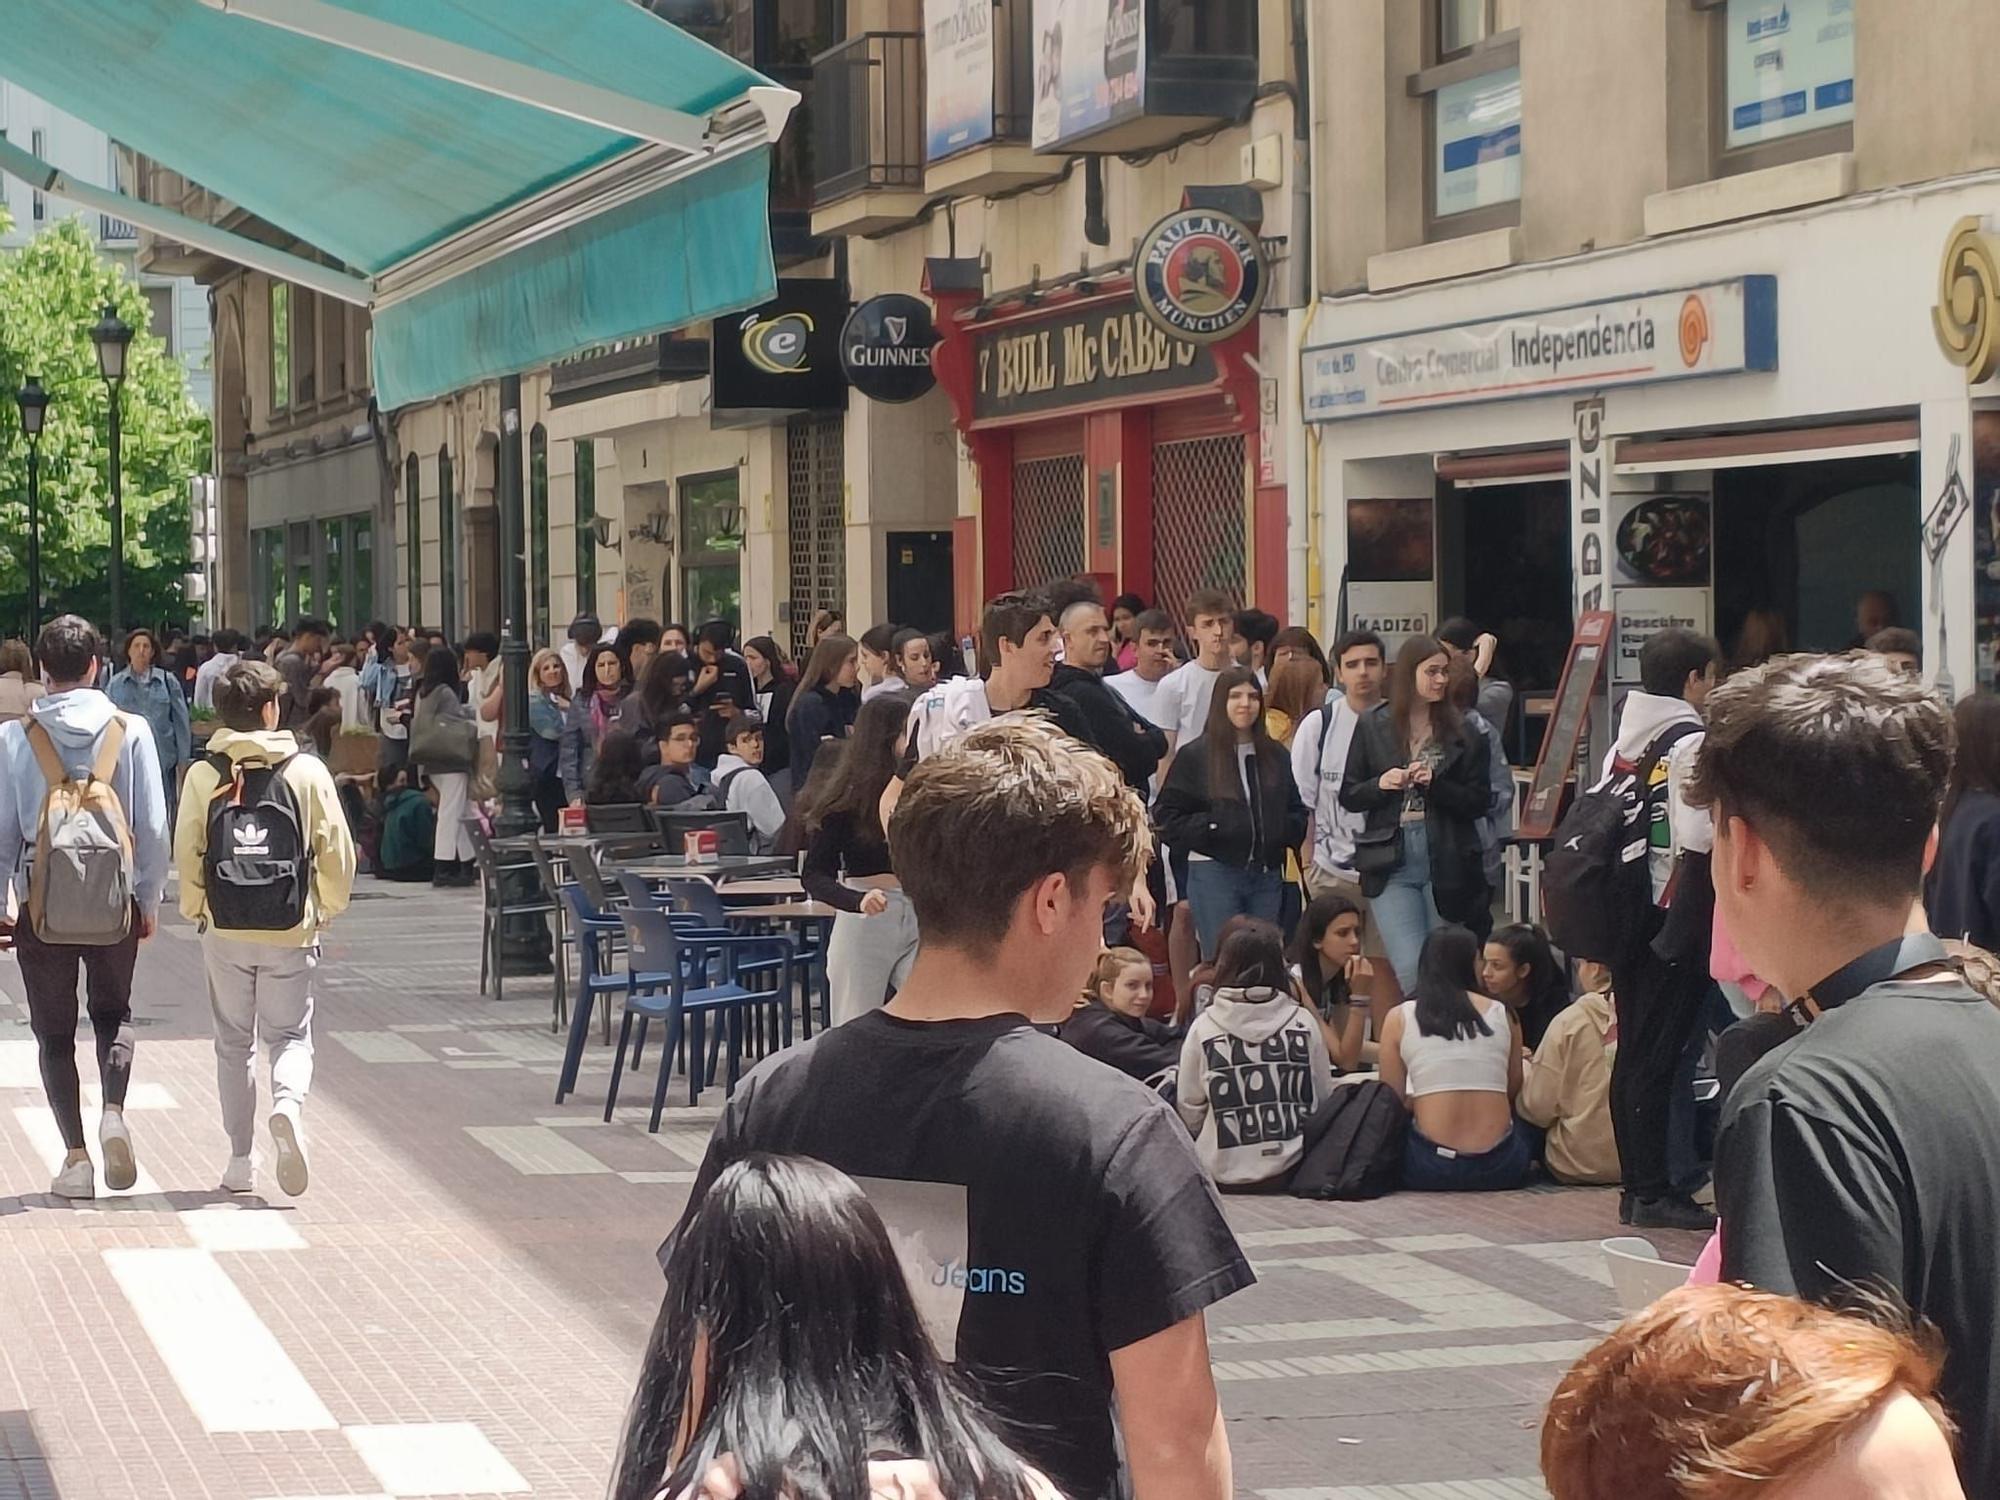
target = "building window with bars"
x: 1199, y: 498
x: 1048, y: 520
x: 816, y: 519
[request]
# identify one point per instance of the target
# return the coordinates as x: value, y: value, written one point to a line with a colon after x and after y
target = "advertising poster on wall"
x: 1090, y: 66
x: 1644, y: 613
x: 1790, y: 68
x: 1661, y: 540
x: 958, y: 75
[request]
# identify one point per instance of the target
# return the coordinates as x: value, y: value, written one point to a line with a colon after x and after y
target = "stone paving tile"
x: 475, y: 1260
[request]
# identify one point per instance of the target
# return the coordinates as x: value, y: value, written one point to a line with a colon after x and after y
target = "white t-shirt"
x: 1319, y: 765
x: 1181, y: 708
x: 947, y: 711
x: 1144, y: 696
x: 206, y: 674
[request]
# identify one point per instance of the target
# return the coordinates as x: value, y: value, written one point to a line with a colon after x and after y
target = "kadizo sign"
x: 1720, y: 328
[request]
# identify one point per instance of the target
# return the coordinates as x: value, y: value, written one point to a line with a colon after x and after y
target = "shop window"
x: 1471, y: 87
x: 816, y: 518
x: 361, y: 569
x: 1784, y: 81
x: 334, y: 563
x: 281, y: 346
x: 712, y: 548
x: 1048, y: 520
x: 447, y: 546
x: 584, y: 456
x: 413, y: 536
x: 538, y: 534
x: 267, y: 574
x: 1198, y: 512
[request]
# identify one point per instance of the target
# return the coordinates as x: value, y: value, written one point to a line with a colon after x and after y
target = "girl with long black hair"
x: 1964, y: 895
x: 874, y: 938
x: 440, y: 700
x: 593, y: 713
x: 1420, y: 780
x: 1231, y: 803
x: 1327, y: 963
x: 1454, y: 1057
x: 772, y: 681
x: 789, y: 1359
x: 662, y: 688
x: 1519, y: 969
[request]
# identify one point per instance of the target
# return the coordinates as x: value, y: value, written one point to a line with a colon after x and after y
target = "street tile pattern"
x: 458, y: 1305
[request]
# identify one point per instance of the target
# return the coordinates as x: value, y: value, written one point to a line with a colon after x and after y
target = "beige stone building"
x: 1629, y: 306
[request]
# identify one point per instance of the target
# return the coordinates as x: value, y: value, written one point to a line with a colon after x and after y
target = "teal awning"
x: 507, y: 181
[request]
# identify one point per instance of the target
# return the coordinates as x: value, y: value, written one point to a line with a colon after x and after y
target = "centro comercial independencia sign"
x: 1722, y: 328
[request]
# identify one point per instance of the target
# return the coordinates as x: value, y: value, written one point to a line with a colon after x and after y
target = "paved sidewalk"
x: 458, y: 1304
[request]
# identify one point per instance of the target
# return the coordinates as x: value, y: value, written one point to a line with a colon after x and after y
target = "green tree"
x: 51, y: 292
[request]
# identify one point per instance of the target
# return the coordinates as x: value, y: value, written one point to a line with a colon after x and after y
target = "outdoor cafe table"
x: 722, y: 867
x: 800, y: 914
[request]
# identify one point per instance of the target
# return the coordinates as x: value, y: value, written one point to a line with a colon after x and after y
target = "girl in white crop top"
x: 1452, y: 1054
x: 1443, y: 1064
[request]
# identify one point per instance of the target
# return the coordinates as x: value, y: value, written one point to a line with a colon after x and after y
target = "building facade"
x: 1637, y: 308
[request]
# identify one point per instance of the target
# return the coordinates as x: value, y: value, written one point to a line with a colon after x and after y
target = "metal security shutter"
x: 1048, y: 520
x: 816, y: 518
x: 1198, y: 520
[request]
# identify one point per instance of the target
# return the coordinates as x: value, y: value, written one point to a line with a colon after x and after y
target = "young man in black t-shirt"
x: 1861, y: 1156
x: 1056, y: 1226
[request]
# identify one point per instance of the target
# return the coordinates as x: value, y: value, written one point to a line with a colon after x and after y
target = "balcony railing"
x: 868, y: 115
x: 116, y: 231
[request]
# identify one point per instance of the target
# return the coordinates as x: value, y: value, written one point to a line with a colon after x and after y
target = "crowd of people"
x: 1114, y: 941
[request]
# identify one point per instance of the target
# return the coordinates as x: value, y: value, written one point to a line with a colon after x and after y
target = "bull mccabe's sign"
x: 1095, y: 354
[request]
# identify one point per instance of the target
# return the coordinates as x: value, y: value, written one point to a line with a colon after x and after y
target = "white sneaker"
x: 290, y: 1139
x: 121, y: 1168
x: 240, y: 1176
x: 77, y: 1180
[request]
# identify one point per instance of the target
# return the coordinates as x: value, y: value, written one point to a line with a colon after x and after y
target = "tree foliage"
x: 51, y: 292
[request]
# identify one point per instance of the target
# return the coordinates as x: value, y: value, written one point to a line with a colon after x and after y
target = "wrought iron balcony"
x: 868, y: 116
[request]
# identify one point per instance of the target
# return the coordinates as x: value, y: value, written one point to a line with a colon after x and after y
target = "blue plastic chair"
x: 672, y: 978
x: 597, y: 931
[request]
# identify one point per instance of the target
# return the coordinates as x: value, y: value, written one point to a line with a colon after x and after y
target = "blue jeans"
x: 1406, y: 911
x: 1431, y: 1168
x: 1218, y: 892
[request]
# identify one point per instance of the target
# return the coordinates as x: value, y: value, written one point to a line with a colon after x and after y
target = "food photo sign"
x: 1663, y: 550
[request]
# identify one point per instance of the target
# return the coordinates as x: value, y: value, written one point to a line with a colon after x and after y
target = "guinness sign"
x: 886, y: 348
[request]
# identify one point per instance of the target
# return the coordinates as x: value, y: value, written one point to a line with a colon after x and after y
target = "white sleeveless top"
x: 1442, y: 1065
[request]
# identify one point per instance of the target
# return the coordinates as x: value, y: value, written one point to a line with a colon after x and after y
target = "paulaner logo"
x: 980, y: 1279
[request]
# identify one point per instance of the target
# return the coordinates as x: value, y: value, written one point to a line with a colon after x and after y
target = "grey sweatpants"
x: 868, y: 956
x: 255, y: 989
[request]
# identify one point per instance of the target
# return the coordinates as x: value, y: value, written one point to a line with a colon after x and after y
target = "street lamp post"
x: 34, y: 404
x: 524, y: 941
x: 113, y: 337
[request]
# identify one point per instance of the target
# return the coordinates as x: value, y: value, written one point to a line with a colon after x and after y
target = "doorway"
x: 920, y: 580
x: 1805, y: 541
x: 1503, y: 562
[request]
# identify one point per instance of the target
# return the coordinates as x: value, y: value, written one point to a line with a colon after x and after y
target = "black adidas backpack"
x: 258, y: 863
x: 1597, y: 881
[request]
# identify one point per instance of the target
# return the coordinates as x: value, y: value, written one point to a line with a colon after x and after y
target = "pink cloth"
x: 1708, y: 1265
x: 1728, y: 965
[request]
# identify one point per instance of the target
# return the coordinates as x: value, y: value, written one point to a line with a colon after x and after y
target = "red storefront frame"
x: 1119, y: 438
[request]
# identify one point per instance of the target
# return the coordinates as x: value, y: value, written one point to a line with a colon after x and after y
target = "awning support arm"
x: 341, y: 285
x: 424, y: 53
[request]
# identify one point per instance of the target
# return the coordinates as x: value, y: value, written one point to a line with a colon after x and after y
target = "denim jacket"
x: 157, y: 699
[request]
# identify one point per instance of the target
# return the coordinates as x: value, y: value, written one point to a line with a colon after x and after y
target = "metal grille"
x: 1048, y: 520
x: 1197, y: 520
x: 816, y: 519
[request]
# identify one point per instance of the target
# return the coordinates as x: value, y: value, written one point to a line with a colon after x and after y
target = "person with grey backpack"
x: 82, y: 802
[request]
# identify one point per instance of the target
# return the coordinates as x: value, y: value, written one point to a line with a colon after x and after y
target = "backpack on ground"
x: 1360, y: 1153
x: 257, y: 866
x: 80, y: 889
x: 1597, y: 891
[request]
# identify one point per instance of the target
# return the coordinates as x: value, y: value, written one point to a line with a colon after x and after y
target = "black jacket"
x: 777, y: 734
x: 1964, y: 895
x: 732, y: 682
x: 1131, y: 744
x: 1456, y: 799
x: 1144, y: 1048
x: 820, y: 714
x: 1190, y: 818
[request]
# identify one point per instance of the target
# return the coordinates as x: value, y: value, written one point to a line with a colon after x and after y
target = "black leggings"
x: 49, y: 976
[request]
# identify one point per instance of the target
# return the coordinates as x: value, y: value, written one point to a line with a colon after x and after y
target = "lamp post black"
x: 524, y: 940
x: 34, y: 404
x: 113, y: 337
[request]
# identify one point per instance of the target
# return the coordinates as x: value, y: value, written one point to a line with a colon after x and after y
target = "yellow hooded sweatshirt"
x: 319, y: 810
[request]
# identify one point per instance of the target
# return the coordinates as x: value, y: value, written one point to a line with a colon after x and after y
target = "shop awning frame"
x: 636, y: 204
